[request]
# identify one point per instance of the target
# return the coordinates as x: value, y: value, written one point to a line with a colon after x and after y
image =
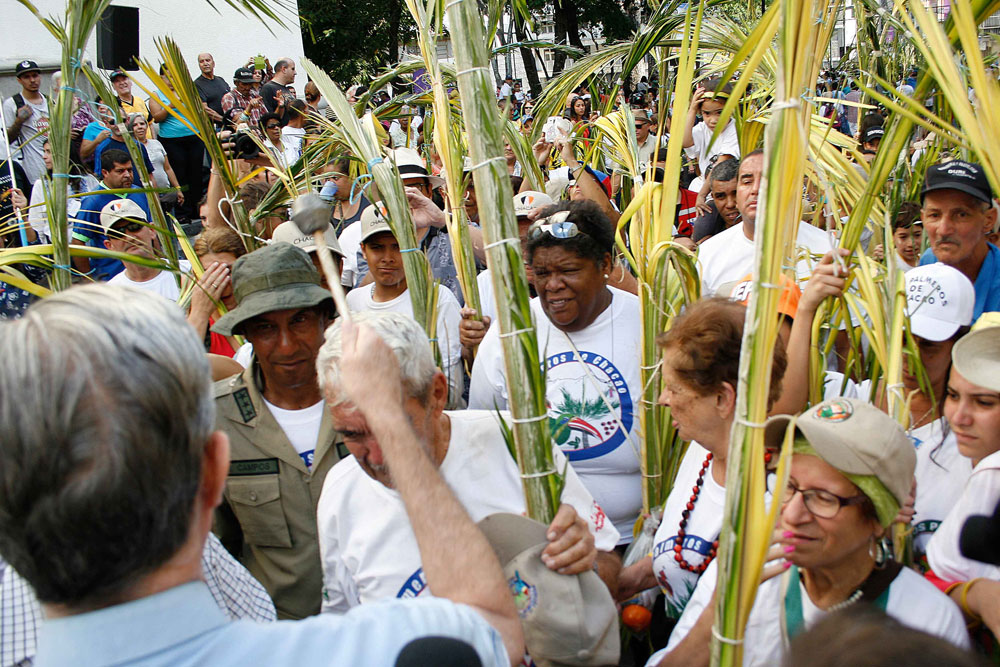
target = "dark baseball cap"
x: 960, y: 175
x: 243, y: 75
x: 26, y: 66
x: 117, y: 73
x: 873, y: 133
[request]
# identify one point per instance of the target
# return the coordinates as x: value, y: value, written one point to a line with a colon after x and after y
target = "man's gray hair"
x: 106, y: 405
x: 401, y: 333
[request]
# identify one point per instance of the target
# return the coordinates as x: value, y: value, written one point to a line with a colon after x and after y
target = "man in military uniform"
x: 282, y: 440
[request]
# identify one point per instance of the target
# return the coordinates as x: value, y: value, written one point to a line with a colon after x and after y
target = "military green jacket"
x: 267, y: 519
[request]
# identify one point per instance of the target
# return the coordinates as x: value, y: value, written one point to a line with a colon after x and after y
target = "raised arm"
x: 469, y: 575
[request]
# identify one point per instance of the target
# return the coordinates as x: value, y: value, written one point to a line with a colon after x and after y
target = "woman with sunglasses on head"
x: 588, y: 335
x: 701, y: 358
x: 972, y: 407
x: 851, y: 468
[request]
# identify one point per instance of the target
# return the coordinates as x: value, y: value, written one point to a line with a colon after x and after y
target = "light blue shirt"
x: 987, y: 283
x: 183, y: 626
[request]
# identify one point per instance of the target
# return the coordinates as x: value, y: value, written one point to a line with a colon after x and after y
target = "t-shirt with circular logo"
x: 593, y: 394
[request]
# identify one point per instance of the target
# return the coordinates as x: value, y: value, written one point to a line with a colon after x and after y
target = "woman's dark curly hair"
x: 595, y: 240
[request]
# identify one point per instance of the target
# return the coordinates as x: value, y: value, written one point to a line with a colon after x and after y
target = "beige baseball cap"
x: 117, y: 210
x: 567, y: 619
x: 527, y: 201
x: 976, y: 357
x: 374, y: 221
x: 289, y: 232
x: 857, y: 438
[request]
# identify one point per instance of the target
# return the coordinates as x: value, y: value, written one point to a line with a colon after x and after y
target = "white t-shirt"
x: 980, y: 496
x: 942, y: 473
x: 38, y: 217
x: 157, y: 153
x: 163, y: 283
x: 367, y: 546
x: 702, y: 529
x: 30, y: 154
x: 598, y: 398
x: 448, y: 319
x: 487, y: 299
x: 301, y: 427
x: 293, y: 137
x: 728, y: 255
x: 350, y: 243
x: 728, y: 143
x: 913, y: 601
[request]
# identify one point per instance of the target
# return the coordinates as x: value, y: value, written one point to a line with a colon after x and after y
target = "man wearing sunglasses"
x: 116, y: 176
x: 127, y: 230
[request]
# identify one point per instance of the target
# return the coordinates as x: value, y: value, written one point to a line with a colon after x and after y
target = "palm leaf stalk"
x: 428, y: 19
x: 522, y: 358
x: 72, y: 32
x: 747, y: 523
x: 361, y: 136
x: 666, y: 273
x: 185, y: 105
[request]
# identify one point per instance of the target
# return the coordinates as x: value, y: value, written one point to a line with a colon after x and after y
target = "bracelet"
x: 951, y: 587
x: 964, y: 600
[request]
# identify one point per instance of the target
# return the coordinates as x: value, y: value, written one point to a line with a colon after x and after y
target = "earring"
x: 879, y: 551
x: 606, y: 276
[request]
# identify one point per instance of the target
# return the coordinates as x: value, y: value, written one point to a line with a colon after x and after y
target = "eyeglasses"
x: 639, y: 126
x: 271, y: 127
x: 819, y: 502
x: 556, y: 225
x: 130, y: 227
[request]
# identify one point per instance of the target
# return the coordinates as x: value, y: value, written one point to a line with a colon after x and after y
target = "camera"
x: 240, y: 144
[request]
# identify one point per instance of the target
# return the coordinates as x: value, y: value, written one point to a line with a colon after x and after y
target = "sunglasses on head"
x: 130, y: 227
x: 556, y: 226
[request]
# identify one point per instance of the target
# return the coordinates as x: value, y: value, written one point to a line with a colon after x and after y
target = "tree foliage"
x: 352, y: 41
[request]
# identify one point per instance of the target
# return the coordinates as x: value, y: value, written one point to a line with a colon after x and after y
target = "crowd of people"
x: 181, y: 471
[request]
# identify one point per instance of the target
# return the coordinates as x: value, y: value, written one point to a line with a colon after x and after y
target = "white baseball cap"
x: 939, y: 300
x: 117, y: 210
x: 527, y: 201
x: 289, y: 232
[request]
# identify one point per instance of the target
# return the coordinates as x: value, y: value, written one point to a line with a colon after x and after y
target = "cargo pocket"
x: 257, y: 505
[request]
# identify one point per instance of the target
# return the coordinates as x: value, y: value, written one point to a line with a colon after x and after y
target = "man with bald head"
x: 275, y: 92
x: 210, y: 87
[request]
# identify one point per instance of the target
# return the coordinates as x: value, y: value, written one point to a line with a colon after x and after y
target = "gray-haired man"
x: 107, y: 499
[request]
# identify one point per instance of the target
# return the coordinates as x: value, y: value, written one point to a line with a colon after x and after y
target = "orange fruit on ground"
x: 636, y: 617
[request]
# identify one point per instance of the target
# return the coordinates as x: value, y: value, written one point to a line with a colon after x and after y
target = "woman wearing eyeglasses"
x: 588, y: 336
x: 851, y: 469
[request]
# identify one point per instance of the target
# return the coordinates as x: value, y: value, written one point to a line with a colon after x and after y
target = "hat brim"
x: 510, y: 534
x: 286, y: 297
x: 28, y: 71
x: 961, y: 187
x: 976, y: 359
x: 931, y: 328
x: 435, y: 181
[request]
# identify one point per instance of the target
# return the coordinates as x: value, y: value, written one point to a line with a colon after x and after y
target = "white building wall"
x: 196, y: 27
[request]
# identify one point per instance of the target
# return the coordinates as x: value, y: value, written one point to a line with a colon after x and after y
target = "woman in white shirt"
x: 37, y: 216
x: 701, y: 357
x: 972, y: 407
x: 163, y: 174
x: 589, y: 343
x: 851, y: 469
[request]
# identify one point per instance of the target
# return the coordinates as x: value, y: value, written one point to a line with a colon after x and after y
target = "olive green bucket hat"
x: 276, y: 277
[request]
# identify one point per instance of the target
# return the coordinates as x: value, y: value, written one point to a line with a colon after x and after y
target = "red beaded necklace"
x: 686, y: 514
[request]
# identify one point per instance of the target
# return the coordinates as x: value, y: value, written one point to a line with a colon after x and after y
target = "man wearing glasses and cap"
x: 958, y: 213
x: 128, y: 102
x: 28, y: 115
x: 126, y: 230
